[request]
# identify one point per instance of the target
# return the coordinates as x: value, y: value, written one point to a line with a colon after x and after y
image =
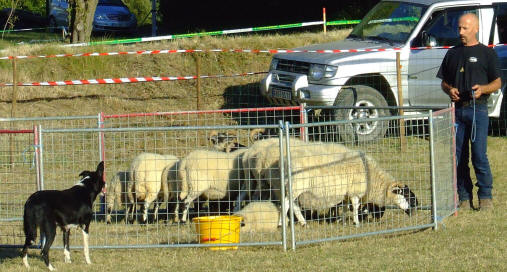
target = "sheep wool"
x: 259, y: 217
x: 211, y: 174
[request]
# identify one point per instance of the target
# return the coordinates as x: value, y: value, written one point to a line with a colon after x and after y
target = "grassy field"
x: 469, y: 241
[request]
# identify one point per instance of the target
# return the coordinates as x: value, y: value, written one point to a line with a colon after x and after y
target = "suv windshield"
x: 389, y: 21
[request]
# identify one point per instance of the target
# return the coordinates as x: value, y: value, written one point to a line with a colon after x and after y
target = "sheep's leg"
x: 176, y: 212
x: 355, y: 209
x: 299, y: 214
x: 242, y: 193
x: 187, y: 202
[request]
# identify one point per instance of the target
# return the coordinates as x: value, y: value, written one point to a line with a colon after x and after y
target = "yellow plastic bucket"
x: 218, y: 230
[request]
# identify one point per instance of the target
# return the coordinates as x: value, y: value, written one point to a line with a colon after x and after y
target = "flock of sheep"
x: 324, y: 175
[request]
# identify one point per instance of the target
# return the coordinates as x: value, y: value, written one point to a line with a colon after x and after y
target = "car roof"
x: 431, y: 2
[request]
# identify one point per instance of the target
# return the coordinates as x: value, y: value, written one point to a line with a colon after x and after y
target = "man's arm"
x: 452, y: 92
x: 488, y: 88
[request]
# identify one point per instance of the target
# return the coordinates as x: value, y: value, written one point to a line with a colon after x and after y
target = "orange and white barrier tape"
x: 124, y: 80
x: 255, y: 51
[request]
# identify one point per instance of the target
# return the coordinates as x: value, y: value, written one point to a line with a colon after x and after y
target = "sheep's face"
x: 404, y: 198
x: 223, y: 141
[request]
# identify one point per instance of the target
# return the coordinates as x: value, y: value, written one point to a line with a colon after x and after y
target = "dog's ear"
x: 100, y: 169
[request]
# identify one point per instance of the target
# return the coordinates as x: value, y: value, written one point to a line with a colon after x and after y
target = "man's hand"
x: 454, y: 94
x: 478, y: 91
x: 493, y: 86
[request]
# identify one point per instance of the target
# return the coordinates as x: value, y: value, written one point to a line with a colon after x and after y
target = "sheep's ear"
x: 213, y: 136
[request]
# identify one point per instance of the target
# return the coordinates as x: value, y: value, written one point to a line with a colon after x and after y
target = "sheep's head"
x: 258, y: 134
x: 225, y: 142
x: 403, y: 197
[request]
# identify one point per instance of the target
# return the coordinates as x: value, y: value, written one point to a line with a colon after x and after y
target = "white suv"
x: 369, y: 78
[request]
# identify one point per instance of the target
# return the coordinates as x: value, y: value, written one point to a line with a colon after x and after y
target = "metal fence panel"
x: 17, y: 181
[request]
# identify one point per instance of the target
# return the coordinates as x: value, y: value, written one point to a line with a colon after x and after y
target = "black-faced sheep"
x: 330, y: 174
x: 212, y: 174
x: 225, y: 142
x: 146, y: 183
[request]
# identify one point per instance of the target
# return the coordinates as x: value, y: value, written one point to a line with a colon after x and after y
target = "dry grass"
x: 470, y: 241
x: 145, y: 97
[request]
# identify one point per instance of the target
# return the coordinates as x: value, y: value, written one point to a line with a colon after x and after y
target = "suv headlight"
x: 273, y: 65
x: 319, y: 71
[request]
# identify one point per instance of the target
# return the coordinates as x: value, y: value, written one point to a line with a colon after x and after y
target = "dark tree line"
x: 180, y: 16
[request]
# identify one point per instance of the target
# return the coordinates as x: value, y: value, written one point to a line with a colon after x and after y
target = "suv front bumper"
x: 296, y: 90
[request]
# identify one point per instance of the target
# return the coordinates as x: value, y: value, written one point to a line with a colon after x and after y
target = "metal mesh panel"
x: 444, y: 160
x: 406, y: 161
x: 17, y: 182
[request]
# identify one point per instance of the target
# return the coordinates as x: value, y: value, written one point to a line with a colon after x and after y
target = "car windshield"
x: 389, y: 21
x: 110, y: 3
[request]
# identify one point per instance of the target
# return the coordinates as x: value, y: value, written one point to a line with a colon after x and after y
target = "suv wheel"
x: 52, y: 25
x: 361, y: 96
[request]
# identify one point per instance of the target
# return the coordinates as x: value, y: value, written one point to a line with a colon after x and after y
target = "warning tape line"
x: 124, y: 80
x: 255, y: 51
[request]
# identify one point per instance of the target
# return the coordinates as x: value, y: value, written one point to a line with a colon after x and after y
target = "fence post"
x: 303, y: 119
x: 283, y: 215
x: 13, y: 109
x: 198, y: 83
x: 403, y: 141
x: 37, y: 156
x: 432, y: 172
x: 289, y: 182
x: 102, y: 157
x: 41, y: 157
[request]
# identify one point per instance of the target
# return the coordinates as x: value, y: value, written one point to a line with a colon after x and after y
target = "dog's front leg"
x: 85, y: 244
x: 66, y: 247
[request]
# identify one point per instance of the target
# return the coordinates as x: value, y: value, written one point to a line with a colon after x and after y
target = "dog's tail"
x: 29, y: 224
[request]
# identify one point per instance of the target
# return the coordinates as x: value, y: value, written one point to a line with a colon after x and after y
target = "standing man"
x: 469, y: 73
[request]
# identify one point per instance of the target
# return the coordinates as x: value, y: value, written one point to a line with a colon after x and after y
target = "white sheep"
x: 260, y: 155
x: 211, y: 174
x: 146, y: 178
x: 171, y: 186
x: 259, y: 217
x: 116, y: 192
x: 329, y: 174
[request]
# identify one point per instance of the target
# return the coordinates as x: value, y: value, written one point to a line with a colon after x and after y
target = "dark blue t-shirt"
x: 465, y: 66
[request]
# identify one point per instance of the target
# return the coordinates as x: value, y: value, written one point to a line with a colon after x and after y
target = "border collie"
x: 69, y: 208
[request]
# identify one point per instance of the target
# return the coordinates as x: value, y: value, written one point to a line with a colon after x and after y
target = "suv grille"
x: 293, y: 66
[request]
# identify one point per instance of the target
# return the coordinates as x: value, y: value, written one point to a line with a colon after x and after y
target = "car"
x: 110, y: 16
x: 320, y: 79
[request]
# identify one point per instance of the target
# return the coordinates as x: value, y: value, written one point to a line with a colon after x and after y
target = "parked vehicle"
x: 110, y: 15
x: 369, y: 78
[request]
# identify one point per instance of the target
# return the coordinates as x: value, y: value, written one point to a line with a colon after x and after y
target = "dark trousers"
x: 464, y: 119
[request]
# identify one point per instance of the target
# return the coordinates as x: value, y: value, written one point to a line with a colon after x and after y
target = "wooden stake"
x: 13, y: 109
x: 324, y: 19
x: 403, y: 140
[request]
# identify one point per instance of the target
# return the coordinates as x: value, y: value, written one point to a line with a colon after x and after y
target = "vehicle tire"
x: 361, y: 95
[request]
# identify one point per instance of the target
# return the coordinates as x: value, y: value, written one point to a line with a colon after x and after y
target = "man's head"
x: 468, y: 28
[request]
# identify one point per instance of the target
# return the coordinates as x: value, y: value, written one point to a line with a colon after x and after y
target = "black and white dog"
x: 69, y: 208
